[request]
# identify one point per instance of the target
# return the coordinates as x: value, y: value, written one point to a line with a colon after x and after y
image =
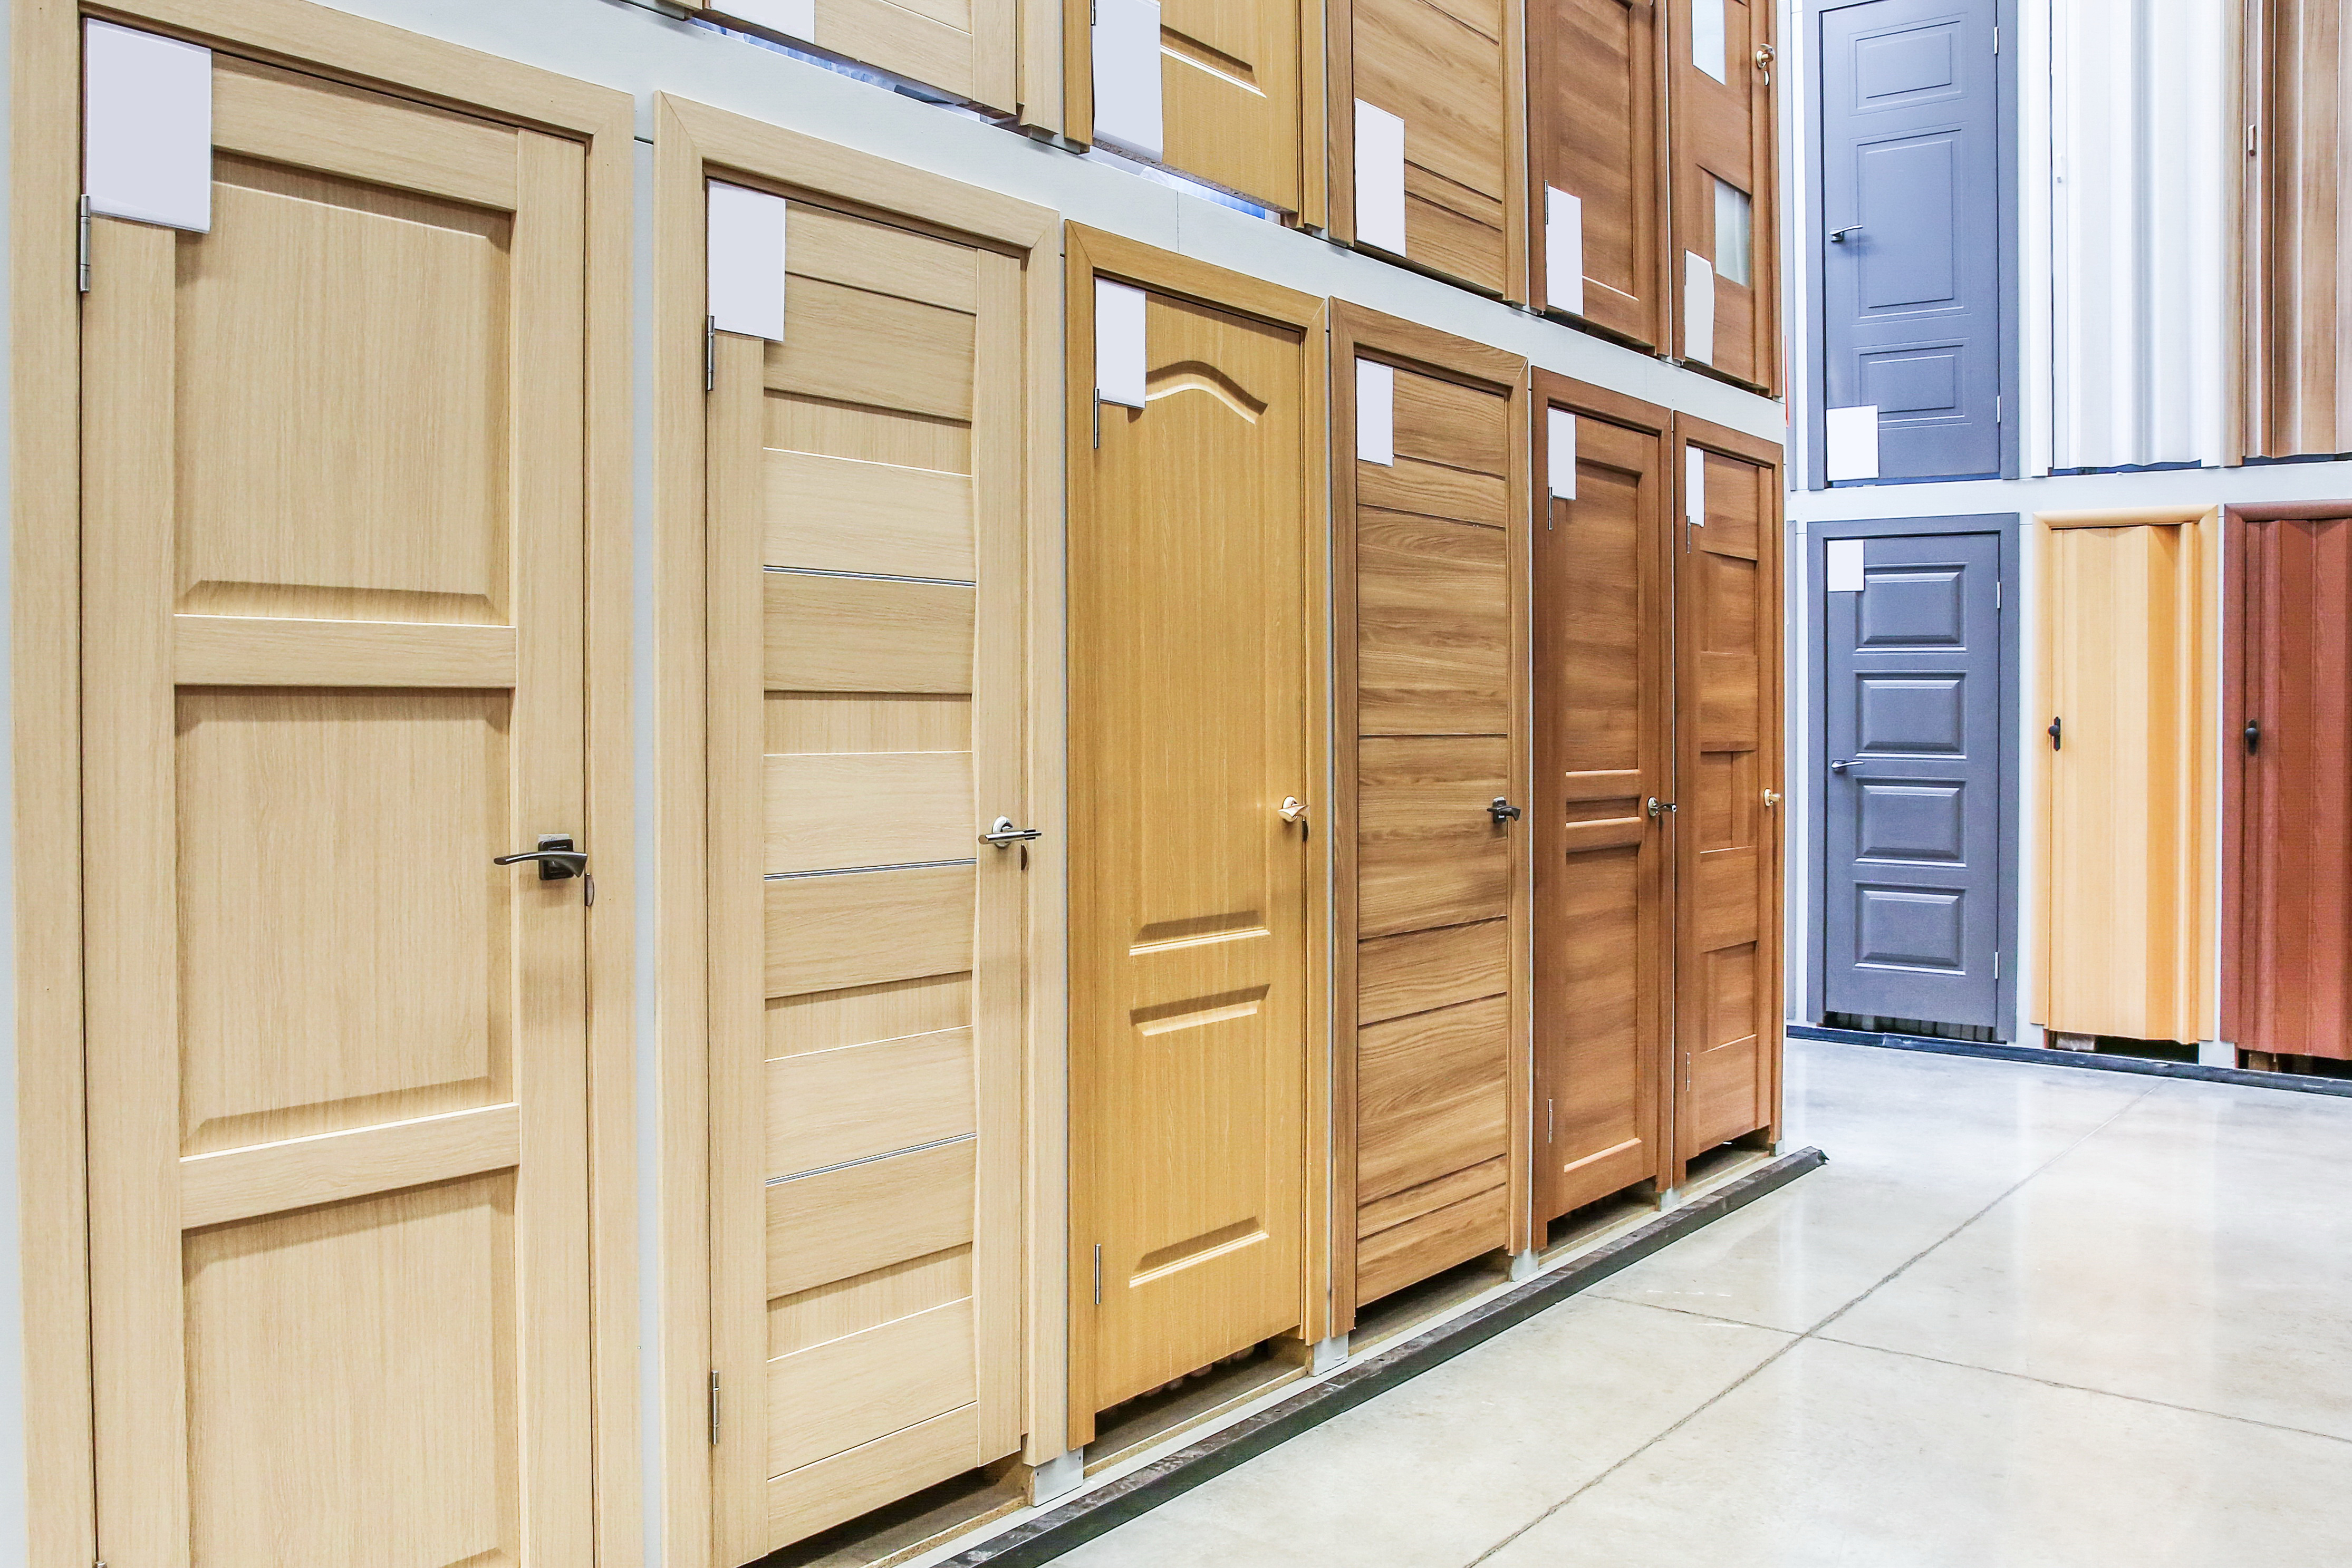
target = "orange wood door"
x: 1596, y: 123
x: 1725, y: 188
x: 1430, y: 542
x: 2287, y: 964
x: 333, y: 600
x: 1190, y: 643
x: 1604, y: 689
x: 1728, y: 754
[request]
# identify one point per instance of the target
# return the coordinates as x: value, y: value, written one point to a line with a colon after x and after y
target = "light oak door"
x: 1596, y: 124
x: 334, y: 613
x: 868, y: 949
x: 1230, y: 81
x: 1604, y: 813
x: 965, y: 48
x: 1728, y: 762
x: 1430, y: 557
x: 1190, y: 635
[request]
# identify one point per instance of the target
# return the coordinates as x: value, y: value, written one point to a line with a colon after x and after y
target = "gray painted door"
x: 1911, y: 892
x: 1911, y: 290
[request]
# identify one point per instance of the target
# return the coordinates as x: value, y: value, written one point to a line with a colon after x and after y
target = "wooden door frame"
x: 1541, y: 93
x: 2235, y: 851
x: 2202, y: 529
x: 1771, y: 725
x: 1425, y: 351
x: 2006, y: 525
x: 1076, y: 106
x: 692, y: 141
x: 46, y: 499
x: 1089, y: 251
x: 1552, y: 389
x: 1339, y: 142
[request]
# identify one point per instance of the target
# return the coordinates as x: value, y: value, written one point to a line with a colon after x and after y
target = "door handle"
x: 1002, y: 832
x: 1765, y: 55
x: 1502, y: 810
x: 1660, y: 808
x: 2057, y: 734
x: 558, y: 860
x: 1293, y: 808
x: 2253, y: 736
x: 1837, y: 236
x: 1771, y: 799
x: 1840, y: 765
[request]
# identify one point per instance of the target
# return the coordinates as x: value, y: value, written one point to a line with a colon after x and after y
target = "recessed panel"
x: 1911, y: 607
x: 1916, y: 65
x: 352, y: 1382
x: 343, y: 933
x: 1910, y: 927
x: 1910, y: 822
x: 1909, y: 715
x: 1918, y: 381
x: 1909, y: 192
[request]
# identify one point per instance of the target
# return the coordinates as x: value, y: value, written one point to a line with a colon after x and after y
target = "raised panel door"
x: 334, y: 598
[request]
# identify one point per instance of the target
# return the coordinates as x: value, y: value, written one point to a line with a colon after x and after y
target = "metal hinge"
x: 1098, y: 1273
x: 81, y: 286
x: 714, y: 1409
x: 1996, y: 408
x: 1547, y: 1136
x: 709, y: 353
x: 2254, y: 141
x: 1996, y: 38
x: 1996, y: 593
x: 1996, y: 963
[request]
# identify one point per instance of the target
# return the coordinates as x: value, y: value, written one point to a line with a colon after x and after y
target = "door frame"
x: 2008, y: 212
x: 1088, y: 253
x: 46, y: 654
x: 1358, y: 330
x: 692, y: 141
x: 2009, y: 528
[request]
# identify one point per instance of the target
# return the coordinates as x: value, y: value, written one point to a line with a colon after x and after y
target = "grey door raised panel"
x: 1910, y: 182
x: 1912, y: 894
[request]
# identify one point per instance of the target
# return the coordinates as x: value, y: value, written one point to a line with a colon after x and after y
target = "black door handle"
x: 1502, y: 810
x: 557, y: 861
x: 2057, y: 736
x: 2253, y: 736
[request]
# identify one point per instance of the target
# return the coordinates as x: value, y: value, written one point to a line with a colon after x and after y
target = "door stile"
x: 138, y: 1340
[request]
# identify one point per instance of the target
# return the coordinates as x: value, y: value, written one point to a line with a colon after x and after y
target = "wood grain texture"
x: 863, y: 1478
x: 1420, y: 970
x: 1596, y: 102
x: 2296, y: 206
x: 330, y: 1167
x: 860, y: 634
x: 857, y: 1101
x: 1431, y: 1095
x: 849, y: 1391
x: 830, y: 811
x: 842, y: 1223
x: 1391, y: 1258
x: 1725, y: 130
x: 878, y: 518
x: 252, y: 651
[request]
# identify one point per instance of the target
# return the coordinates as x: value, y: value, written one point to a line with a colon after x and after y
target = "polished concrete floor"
x: 2024, y: 1316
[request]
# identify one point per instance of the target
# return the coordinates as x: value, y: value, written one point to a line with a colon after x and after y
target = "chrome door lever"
x: 1502, y: 810
x: 1660, y: 808
x: 558, y: 860
x: 1837, y: 236
x: 1002, y: 832
x: 1840, y: 766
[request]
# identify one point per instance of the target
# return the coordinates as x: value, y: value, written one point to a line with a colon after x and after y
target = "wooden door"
x: 1453, y: 73
x: 1229, y: 83
x: 1596, y: 123
x: 1604, y: 859
x: 2125, y: 698
x: 967, y: 48
x: 2295, y: 222
x: 868, y: 949
x: 1192, y: 627
x: 334, y: 622
x: 1728, y: 818
x: 2287, y: 956
x: 1725, y: 197
x: 1430, y: 542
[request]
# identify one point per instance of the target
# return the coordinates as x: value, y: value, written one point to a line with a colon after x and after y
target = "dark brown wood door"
x: 2289, y: 954
x: 1596, y: 73
x: 1603, y: 735
x: 1727, y: 825
x: 1721, y: 70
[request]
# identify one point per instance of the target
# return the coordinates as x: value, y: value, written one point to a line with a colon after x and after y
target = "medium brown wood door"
x: 1604, y: 689
x: 1430, y: 546
x: 334, y: 624
x: 1230, y: 78
x: 1191, y: 625
x: 1596, y: 73
x: 1727, y: 817
x: 2295, y: 226
x: 2287, y: 958
x: 1721, y: 150
x: 868, y: 954
x: 1452, y: 73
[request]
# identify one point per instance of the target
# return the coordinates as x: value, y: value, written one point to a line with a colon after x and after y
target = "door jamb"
x: 2009, y: 527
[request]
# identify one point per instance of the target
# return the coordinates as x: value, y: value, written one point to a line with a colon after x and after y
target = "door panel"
x: 2288, y: 962
x: 1604, y: 872
x: 2125, y: 849
x: 867, y: 960
x: 963, y: 47
x: 1721, y: 136
x: 1595, y: 117
x: 1188, y: 727
x: 1431, y: 603
x: 1728, y: 630
x: 1911, y: 906
x: 1230, y: 75
x: 1912, y: 302
x: 333, y: 584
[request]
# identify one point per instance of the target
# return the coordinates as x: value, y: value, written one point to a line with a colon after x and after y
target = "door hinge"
x: 1996, y: 38
x: 1996, y: 963
x: 710, y: 354
x: 81, y: 286
x: 1996, y: 408
x: 1996, y: 593
x: 1548, y: 1134
x: 714, y: 1409
x: 2254, y: 141
x: 1098, y: 1273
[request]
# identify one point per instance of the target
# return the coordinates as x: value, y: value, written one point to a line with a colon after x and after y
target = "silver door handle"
x: 1002, y: 832
x: 1840, y: 766
x: 1837, y: 236
x: 1293, y: 808
x: 557, y: 861
x: 1660, y: 808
